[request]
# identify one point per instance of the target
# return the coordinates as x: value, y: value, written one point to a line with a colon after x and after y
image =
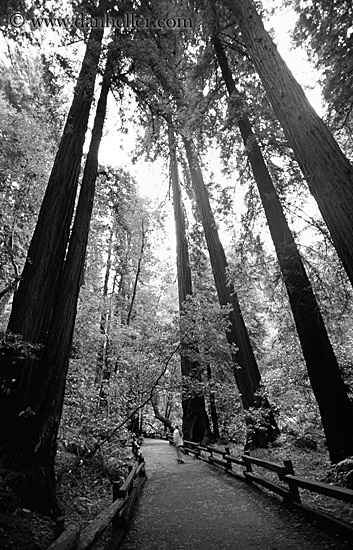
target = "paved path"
x: 194, y: 506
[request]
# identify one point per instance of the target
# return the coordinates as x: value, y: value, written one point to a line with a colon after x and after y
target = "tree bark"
x: 326, y: 169
x: 246, y: 370
x: 328, y: 386
x: 30, y: 440
x: 196, y: 426
x: 158, y: 415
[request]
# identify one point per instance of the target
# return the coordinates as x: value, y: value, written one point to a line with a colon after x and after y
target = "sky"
x: 283, y: 23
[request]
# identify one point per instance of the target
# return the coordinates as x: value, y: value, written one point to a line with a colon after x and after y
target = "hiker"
x: 135, y: 447
x: 178, y: 442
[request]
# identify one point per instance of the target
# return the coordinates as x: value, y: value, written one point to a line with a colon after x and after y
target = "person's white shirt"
x: 177, y: 438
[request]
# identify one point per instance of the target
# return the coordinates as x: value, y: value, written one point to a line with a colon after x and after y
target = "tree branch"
x: 10, y: 286
x: 148, y: 398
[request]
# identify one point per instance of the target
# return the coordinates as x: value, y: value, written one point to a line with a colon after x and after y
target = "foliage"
x: 205, y: 323
x: 25, y: 158
x: 109, y: 387
x: 14, y: 351
x: 325, y: 29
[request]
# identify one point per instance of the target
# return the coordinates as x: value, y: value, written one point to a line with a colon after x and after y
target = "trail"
x: 194, y: 506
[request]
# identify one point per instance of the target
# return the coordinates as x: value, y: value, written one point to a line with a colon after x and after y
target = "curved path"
x: 195, y: 506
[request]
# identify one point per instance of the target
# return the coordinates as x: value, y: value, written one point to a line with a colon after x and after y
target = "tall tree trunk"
x: 168, y: 406
x: 196, y: 425
x: 101, y: 354
x: 34, y: 301
x: 327, y: 171
x: 30, y: 441
x: 331, y: 396
x: 24, y: 445
x: 246, y: 370
x: 138, y: 271
x: 109, y: 264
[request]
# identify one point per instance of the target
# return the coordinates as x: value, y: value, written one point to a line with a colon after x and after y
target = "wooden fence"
x: 124, y: 496
x: 117, y: 514
x: 289, y: 490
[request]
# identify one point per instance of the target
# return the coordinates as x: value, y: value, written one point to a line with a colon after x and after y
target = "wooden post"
x: 247, y: 462
x: 116, y: 485
x: 294, y: 492
x: 229, y: 464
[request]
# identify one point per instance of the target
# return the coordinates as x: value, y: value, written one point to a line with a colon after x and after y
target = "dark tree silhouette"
x: 246, y: 371
x: 325, y: 377
x: 32, y: 407
x: 327, y: 170
x: 196, y: 426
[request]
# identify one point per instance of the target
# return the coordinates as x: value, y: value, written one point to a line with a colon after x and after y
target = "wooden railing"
x: 289, y: 490
x: 117, y: 514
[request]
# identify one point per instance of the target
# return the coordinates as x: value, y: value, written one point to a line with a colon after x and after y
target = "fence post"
x: 229, y: 464
x: 248, y: 465
x: 294, y: 495
x: 117, y: 521
x: 116, y: 485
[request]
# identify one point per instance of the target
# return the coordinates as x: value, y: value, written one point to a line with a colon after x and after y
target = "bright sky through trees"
x: 118, y: 149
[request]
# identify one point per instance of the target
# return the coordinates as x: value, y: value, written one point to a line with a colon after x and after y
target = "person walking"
x: 178, y: 442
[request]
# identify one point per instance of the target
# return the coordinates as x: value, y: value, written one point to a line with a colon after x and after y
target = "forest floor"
x: 84, y: 488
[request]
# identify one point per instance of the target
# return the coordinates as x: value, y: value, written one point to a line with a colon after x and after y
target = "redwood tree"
x: 335, y: 407
x: 33, y: 304
x: 246, y: 370
x: 32, y: 406
x: 196, y: 425
x: 327, y: 170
